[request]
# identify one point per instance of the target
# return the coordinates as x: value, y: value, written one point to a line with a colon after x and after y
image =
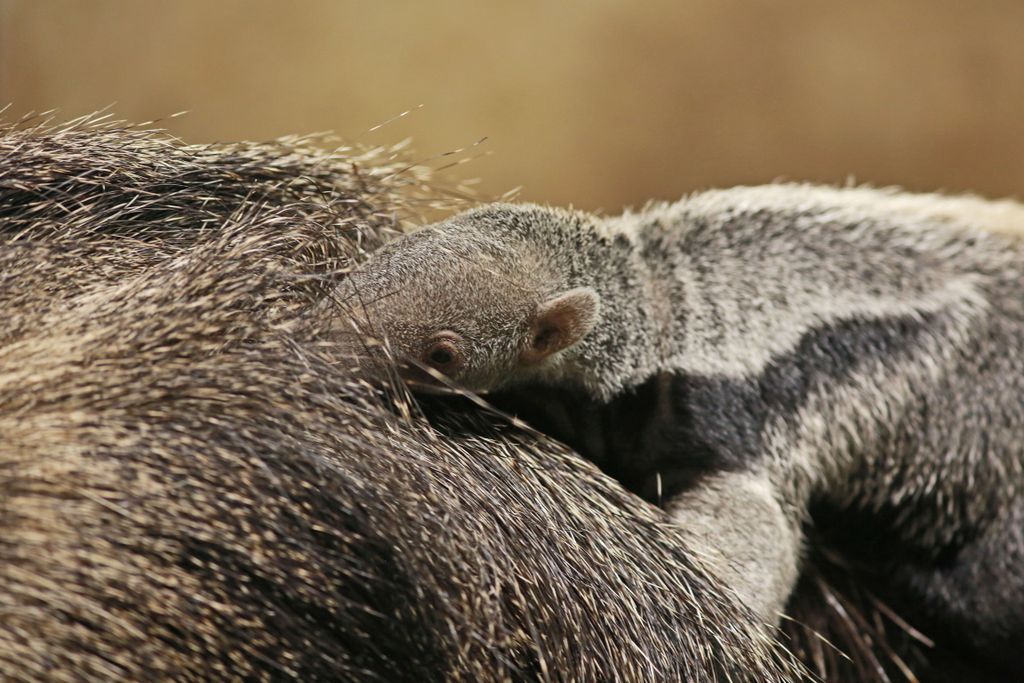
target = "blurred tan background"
x: 598, y: 103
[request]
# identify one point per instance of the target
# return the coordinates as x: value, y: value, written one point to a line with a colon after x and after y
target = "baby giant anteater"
x: 856, y: 350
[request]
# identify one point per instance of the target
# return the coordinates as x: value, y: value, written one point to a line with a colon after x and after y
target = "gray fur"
x: 858, y: 348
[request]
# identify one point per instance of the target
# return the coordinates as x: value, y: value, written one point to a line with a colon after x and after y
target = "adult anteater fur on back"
x: 192, y: 486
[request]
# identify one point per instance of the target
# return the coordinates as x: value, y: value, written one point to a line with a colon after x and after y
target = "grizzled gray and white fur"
x: 857, y: 348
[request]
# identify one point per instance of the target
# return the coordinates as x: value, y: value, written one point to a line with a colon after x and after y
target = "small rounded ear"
x: 562, y: 321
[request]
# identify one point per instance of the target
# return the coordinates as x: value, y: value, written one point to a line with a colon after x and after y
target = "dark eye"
x: 443, y: 354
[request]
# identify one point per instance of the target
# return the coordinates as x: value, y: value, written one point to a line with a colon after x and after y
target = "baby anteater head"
x: 481, y: 300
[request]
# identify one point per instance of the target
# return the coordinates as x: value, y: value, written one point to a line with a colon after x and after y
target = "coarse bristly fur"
x: 853, y: 350
x: 195, y: 485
